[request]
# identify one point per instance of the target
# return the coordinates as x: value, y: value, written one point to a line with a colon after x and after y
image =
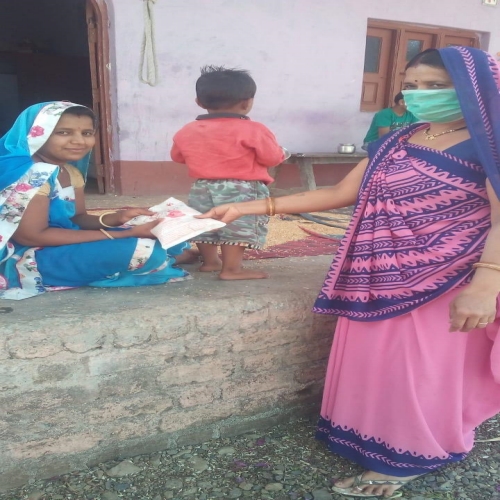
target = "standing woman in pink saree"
x: 415, y: 361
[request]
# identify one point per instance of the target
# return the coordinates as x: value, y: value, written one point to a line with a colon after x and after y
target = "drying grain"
x: 289, y: 228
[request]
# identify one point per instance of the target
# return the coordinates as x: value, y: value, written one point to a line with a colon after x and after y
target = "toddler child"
x: 229, y: 155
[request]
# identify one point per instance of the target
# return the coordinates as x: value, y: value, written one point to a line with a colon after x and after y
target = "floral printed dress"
x: 26, y: 271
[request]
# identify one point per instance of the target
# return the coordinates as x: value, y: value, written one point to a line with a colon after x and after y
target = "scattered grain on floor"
x: 289, y: 228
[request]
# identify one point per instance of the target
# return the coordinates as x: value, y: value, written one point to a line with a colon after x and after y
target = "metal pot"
x: 346, y: 148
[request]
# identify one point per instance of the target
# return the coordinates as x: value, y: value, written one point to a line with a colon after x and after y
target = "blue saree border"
x: 373, y: 454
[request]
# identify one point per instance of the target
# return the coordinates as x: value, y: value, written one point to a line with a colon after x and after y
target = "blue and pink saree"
x: 403, y: 395
x: 26, y: 272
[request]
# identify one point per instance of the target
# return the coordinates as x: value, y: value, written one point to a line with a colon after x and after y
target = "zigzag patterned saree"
x: 422, y: 215
x: 416, y: 231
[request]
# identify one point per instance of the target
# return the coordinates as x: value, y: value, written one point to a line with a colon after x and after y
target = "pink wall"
x: 305, y: 55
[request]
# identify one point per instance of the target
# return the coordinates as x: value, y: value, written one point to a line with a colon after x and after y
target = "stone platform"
x: 92, y: 374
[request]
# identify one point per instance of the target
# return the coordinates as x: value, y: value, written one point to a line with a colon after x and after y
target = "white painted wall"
x: 305, y: 55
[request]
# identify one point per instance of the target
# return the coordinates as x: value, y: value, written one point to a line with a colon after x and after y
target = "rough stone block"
x: 138, y: 405
x: 77, y: 343
x: 265, y: 360
x: 313, y: 350
x: 198, y: 395
x: 314, y: 373
x: 187, y: 373
x: 255, y: 384
x: 108, y: 374
x: 33, y: 344
x: 196, y: 435
x: 64, y: 445
x: 265, y: 339
x: 258, y: 422
x: 177, y: 420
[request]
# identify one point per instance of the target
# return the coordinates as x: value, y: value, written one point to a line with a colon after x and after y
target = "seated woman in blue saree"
x: 47, y: 239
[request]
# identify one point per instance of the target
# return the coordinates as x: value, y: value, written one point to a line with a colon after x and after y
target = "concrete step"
x: 92, y: 374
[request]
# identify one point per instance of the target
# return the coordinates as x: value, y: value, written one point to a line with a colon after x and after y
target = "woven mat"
x: 308, y: 247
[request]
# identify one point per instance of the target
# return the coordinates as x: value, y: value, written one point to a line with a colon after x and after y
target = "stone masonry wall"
x: 90, y: 375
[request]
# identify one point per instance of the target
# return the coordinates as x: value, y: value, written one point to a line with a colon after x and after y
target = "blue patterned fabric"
x: 15, y: 155
x: 373, y: 454
x: 423, y: 215
x: 26, y: 272
x: 419, y: 224
x: 476, y: 76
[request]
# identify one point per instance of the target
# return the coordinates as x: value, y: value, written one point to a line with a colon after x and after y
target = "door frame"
x: 100, y: 66
x: 375, y: 87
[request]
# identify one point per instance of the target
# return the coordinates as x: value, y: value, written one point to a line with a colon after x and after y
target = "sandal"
x: 359, y: 483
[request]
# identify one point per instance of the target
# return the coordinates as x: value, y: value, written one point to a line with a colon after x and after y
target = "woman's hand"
x: 109, y: 219
x: 473, y: 308
x: 123, y: 216
x: 141, y: 231
x: 225, y: 213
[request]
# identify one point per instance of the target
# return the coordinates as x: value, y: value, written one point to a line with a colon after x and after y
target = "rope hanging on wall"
x: 148, y: 71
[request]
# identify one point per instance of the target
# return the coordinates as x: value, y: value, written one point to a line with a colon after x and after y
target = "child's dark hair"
x: 83, y: 111
x: 429, y: 57
x: 398, y: 97
x: 220, y: 87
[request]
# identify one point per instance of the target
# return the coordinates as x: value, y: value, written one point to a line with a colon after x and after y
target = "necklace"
x: 431, y: 137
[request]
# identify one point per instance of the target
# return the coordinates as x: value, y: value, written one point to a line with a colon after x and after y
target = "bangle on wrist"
x: 102, y: 215
x: 486, y: 265
x: 106, y: 234
x: 271, y: 207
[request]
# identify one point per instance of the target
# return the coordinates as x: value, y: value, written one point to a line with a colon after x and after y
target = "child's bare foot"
x: 208, y: 267
x: 243, y: 274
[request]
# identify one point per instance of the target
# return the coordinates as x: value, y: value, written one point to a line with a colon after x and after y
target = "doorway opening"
x: 52, y: 50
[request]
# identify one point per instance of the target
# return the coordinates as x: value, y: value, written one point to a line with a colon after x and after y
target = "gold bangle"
x: 102, y: 215
x: 271, y: 207
x: 107, y: 234
x: 486, y: 265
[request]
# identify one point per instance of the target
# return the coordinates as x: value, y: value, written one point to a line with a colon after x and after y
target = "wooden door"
x: 378, y: 61
x: 410, y: 44
x: 99, y: 154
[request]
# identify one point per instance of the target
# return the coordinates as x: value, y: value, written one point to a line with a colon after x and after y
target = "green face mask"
x: 439, y: 106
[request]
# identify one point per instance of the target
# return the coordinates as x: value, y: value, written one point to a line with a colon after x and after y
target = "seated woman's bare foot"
x: 189, y: 256
x: 208, y: 267
x: 372, y: 484
x: 243, y: 274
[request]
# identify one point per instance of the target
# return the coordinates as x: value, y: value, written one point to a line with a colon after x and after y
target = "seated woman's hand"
x: 225, y: 213
x: 143, y: 230
x: 123, y: 216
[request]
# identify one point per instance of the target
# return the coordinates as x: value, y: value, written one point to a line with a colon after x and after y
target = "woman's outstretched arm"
x: 34, y: 230
x: 112, y: 219
x: 341, y: 195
